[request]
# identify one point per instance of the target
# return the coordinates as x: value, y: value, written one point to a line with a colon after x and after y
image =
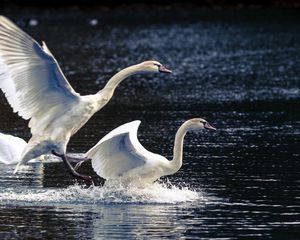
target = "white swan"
x: 11, y: 148
x: 119, y: 155
x: 37, y: 89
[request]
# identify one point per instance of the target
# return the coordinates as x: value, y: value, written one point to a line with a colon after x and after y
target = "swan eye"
x: 156, y: 64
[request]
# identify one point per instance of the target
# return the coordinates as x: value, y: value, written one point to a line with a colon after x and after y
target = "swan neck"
x: 105, y: 94
x: 115, y: 80
x: 176, y: 162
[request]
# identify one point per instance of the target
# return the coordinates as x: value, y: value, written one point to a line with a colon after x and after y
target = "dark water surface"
x: 237, y: 69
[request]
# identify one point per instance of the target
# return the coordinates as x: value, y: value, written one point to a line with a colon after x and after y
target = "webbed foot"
x: 73, y: 171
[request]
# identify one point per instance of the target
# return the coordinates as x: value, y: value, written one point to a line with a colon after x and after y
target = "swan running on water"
x: 36, y: 88
x: 119, y: 154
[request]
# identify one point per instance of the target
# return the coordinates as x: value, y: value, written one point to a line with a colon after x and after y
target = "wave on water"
x: 157, y: 192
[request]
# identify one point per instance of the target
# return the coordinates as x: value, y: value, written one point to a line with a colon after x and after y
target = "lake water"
x: 237, y: 69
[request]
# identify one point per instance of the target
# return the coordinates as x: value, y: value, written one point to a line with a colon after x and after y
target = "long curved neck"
x: 176, y: 162
x: 119, y: 77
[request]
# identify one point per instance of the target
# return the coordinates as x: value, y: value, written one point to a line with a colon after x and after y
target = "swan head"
x: 200, y: 123
x: 154, y: 66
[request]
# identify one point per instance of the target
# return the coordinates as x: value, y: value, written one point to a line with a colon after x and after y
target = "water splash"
x: 109, y: 193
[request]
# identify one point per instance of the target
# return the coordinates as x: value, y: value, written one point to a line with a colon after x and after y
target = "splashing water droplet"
x: 33, y: 22
x: 111, y: 192
x: 93, y: 22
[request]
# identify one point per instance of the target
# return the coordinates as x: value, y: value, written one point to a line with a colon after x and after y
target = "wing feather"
x: 30, y: 76
x: 119, y: 152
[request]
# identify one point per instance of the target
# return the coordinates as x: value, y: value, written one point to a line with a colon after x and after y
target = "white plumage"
x: 11, y: 148
x: 30, y: 76
x: 37, y: 89
x: 119, y: 154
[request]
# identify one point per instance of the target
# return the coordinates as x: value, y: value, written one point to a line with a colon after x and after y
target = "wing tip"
x: 129, y: 128
x: 2, y: 17
x: 46, y: 49
x: 136, y: 123
x: 5, y: 20
x: 124, y: 128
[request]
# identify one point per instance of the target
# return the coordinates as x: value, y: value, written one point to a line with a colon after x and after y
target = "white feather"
x: 11, y: 148
x: 119, y: 153
x: 31, y: 78
x: 36, y: 89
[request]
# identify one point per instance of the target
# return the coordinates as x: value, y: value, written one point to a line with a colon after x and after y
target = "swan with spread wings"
x: 37, y: 90
x: 119, y: 154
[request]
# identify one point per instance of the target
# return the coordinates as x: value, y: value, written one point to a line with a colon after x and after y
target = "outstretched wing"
x: 119, y: 152
x: 30, y: 76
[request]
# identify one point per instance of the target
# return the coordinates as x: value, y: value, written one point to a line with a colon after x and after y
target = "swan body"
x: 119, y: 154
x: 11, y: 148
x: 37, y: 90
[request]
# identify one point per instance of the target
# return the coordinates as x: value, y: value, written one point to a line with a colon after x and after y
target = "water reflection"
x: 145, y: 221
